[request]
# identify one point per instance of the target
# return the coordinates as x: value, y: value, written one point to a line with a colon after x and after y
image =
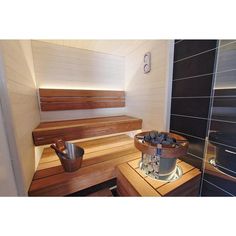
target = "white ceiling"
x: 114, y: 47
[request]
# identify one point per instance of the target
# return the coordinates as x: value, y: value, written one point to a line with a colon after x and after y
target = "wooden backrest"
x: 69, y: 99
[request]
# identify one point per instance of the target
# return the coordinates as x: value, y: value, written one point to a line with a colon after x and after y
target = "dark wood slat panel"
x: 79, y: 93
x: 68, y: 132
x: 81, y: 99
x: 76, y: 106
x: 82, y: 122
x: 70, y: 99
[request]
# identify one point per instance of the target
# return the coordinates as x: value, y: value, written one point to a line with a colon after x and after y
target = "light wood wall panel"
x: 7, y: 179
x: 19, y: 75
x: 113, y: 47
x: 147, y: 94
x: 64, y: 67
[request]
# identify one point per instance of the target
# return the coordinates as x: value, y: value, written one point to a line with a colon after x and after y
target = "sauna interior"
x: 109, y: 98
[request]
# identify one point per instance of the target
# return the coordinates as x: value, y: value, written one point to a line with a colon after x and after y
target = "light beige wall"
x: 147, y: 95
x: 19, y: 76
x: 59, y: 66
x: 7, y: 179
x: 114, y: 47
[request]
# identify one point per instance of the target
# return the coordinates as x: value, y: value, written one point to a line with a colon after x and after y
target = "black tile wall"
x: 188, y: 125
x: 192, y: 87
x: 196, y: 146
x: 191, y: 90
x: 222, y: 130
x: 204, y: 105
x: 224, y: 108
x: 197, y: 107
x: 225, y: 127
x: 187, y: 48
x: 210, y: 190
x: 224, y: 184
x: 195, y: 66
x: 193, y: 160
x: 178, y: 40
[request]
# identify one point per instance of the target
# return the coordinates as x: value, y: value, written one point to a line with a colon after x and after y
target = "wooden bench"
x: 100, y: 160
x: 106, y: 159
x: 69, y: 99
x: 131, y: 181
x: 46, y: 132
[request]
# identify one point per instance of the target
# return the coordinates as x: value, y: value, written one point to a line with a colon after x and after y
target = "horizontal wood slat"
x: 46, y: 132
x: 137, y: 182
x: 79, y: 93
x: 81, y: 99
x: 69, y: 99
x: 77, y: 106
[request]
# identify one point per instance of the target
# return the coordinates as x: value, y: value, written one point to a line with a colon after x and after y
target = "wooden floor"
x: 100, y: 159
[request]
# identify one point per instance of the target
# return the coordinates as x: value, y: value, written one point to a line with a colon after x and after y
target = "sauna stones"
x: 154, y: 137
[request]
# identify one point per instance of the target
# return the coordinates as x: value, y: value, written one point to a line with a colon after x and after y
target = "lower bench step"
x: 101, y: 157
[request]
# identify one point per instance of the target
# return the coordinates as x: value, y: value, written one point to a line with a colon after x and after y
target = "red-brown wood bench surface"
x: 105, y: 159
x: 74, y: 99
x: 46, y: 132
x: 101, y: 157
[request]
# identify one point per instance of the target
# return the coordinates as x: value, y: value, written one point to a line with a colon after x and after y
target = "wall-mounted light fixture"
x: 147, y: 62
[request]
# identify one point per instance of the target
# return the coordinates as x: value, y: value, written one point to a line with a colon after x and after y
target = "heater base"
x: 132, y: 181
x: 174, y: 175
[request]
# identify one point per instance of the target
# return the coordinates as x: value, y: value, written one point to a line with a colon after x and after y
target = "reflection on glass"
x: 220, y: 159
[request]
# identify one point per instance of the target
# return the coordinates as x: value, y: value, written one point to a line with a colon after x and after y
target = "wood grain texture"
x: 80, y: 93
x: 124, y: 188
x: 187, y: 185
x: 69, y: 99
x: 46, y: 132
x: 79, y: 106
x: 100, y: 159
x: 136, y: 181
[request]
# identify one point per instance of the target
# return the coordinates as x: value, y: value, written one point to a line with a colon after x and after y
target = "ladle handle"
x: 53, y: 146
x: 60, y: 144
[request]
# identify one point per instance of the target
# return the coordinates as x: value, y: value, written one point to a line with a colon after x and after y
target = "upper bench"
x: 69, y: 99
x: 46, y: 132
